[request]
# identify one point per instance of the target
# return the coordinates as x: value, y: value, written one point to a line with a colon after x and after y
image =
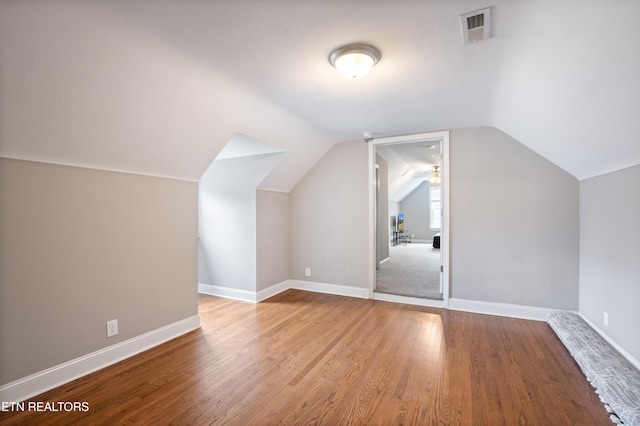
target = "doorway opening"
x: 409, y: 216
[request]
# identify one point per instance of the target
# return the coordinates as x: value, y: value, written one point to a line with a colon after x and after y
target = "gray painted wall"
x: 382, y: 215
x: 330, y: 218
x: 610, y: 254
x: 514, y: 219
x: 514, y: 223
x: 272, y: 238
x: 415, y: 208
x: 80, y: 247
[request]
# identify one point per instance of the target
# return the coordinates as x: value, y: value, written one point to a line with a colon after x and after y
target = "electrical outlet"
x: 112, y: 328
x: 307, y: 272
x: 605, y: 319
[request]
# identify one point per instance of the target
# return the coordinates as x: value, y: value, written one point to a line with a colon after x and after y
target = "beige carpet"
x: 412, y: 270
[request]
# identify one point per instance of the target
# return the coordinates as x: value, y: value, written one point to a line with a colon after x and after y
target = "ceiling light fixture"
x: 435, y: 176
x: 354, y: 60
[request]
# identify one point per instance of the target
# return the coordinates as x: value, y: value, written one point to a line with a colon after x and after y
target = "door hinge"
x: 441, y: 268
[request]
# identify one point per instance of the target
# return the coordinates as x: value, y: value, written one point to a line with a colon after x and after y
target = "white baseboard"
x: 243, y: 295
x: 499, y: 309
x: 612, y: 342
x: 273, y: 290
x: 50, y: 378
x: 408, y: 300
x: 255, y: 297
x: 227, y: 292
x: 340, y: 290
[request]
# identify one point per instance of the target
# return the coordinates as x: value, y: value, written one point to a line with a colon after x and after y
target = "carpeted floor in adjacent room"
x: 412, y: 270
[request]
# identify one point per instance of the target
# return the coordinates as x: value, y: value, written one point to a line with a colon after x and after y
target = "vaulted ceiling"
x: 408, y: 165
x: 159, y: 86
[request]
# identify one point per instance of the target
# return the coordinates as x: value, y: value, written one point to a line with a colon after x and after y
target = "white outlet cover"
x: 112, y: 328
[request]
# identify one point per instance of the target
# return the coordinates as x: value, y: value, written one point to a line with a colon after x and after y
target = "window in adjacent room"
x: 435, y: 208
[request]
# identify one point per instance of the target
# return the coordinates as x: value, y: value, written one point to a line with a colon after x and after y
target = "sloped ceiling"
x: 408, y: 165
x: 158, y: 87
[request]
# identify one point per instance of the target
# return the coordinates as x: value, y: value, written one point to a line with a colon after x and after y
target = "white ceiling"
x: 419, y: 156
x: 409, y: 164
x: 159, y: 87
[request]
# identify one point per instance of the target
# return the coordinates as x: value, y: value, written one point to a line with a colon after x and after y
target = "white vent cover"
x: 476, y: 25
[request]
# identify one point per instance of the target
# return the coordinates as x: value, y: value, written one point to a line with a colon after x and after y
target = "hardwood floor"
x: 310, y: 358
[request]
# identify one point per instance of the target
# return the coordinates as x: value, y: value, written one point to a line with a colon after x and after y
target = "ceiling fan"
x: 433, y: 176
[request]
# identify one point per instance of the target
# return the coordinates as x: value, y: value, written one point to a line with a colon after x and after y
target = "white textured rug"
x: 615, y: 378
x: 412, y: 270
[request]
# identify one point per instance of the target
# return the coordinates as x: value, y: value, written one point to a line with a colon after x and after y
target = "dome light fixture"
x: 354, y: 60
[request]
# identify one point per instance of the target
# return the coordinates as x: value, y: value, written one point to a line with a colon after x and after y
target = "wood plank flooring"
x: 310, y: 358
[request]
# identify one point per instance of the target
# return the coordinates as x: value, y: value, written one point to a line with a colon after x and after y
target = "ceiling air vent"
x: 476, y: 25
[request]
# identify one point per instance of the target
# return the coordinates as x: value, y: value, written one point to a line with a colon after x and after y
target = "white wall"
x: 227, y: 220
x: 330, y: 219
x: 610, y: 255
x: 394, y: 209
x: 514, y: 223
x: 80, y: 247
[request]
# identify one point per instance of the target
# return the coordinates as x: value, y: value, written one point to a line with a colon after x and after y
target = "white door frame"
x: 444, y: 232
